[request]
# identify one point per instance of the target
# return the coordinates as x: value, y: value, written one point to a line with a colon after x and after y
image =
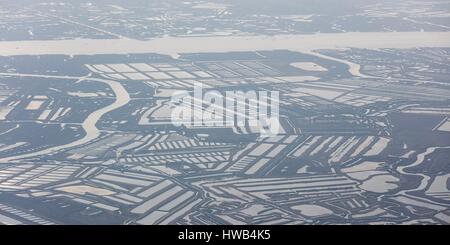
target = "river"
x: 89, y: 124
x: 179, y: 45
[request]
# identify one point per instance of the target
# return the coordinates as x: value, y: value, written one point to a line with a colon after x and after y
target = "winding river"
x: 425, y: 178
x: 89, y: 124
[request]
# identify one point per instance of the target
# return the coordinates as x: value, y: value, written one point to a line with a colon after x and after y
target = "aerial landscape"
x: 358, y: 95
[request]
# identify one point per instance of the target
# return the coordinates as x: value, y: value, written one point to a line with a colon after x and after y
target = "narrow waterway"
x: 89, y: 124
